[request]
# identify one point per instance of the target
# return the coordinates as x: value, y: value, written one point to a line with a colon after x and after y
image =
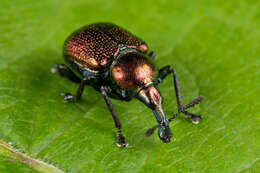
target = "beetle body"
x: 101, y: 49
x: 96, y: 46
x: 116, y: 63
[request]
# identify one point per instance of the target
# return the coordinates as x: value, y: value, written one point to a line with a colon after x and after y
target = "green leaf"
x: 8, y: 153
x: 214, y: 47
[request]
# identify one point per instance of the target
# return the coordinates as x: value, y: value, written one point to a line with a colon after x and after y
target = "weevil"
x: 117, y: 64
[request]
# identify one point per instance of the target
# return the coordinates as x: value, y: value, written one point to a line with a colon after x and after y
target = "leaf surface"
x: 214, y: 47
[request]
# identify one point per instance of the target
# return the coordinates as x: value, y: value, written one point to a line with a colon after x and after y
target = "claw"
x: 54, y: 68
x: 122, y: 142
x: 195, y: 121
x: 67, y: 97
x: 194, y: 118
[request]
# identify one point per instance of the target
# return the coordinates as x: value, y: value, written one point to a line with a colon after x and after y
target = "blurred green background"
x: 214, y: 47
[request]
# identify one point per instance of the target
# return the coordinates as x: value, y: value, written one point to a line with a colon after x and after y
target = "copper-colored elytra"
x: 92, y: 62
x: 143, y: 48
x: 103, y: 62
x: 116, y: 52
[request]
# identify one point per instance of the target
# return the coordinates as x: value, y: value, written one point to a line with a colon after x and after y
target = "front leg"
x: 193, y: 117
x: 163, y: 72
x: 121, y: 142
x: 69, y: 97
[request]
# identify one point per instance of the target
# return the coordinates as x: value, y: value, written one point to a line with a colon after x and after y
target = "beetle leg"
x: 193, y: 117
x: 64, y: 70
x: 152, y: 55
x: 163, y: 72
x: 69, y: 97
x: 121, y: 142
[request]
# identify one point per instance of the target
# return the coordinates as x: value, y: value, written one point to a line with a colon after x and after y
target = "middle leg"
x: 121, y: 142
x: 69, y: 97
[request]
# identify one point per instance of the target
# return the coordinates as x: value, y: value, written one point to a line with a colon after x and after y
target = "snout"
x: 165, y: 134
x: 167, y: 139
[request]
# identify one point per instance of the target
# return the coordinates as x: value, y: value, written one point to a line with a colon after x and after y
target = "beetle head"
x: 133, y: 71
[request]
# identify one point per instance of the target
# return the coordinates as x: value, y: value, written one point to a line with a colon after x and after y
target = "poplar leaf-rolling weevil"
x: 117, y: 64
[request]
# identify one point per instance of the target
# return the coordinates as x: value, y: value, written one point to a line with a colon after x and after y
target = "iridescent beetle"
x: 117, y: 64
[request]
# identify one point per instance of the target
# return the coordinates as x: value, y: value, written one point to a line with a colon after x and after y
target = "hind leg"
x: 65, y: 71
x: 121, y: 142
